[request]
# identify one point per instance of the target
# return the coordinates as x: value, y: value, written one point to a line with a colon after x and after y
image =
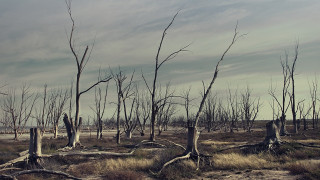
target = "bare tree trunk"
x: 193, y: 136
x: 55, y: 131
x: 81, y: 62
x: 75, y: 138
x: 304, y: 124
x: 99, y: 131
x: 16, y: 137
x: 35, y: 144
x: 283, y: 130
x: 68, y: 128
x: 118, y: 121
x: 152, y: 134
x: 129, y: 134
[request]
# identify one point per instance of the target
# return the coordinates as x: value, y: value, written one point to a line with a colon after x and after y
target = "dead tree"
x: 130, y: 122
x: 19, y: 110
x: 285, y: 92
x: 59, y: 99
x: 210, y: 110
x: 249, y: 108
x: 294, y: 109
x: 165, y: 110
x: 304, y: 114
x: 234, y: 109
x: 99, y: 108
x: 5, y: 120
x: 81, y: 62
x: 165, y: 114
x: 313, y: 94
x: 156, y: 103
x: 122, y: 94
x: 44, y: 113
x: 143, y: 111
x: 193, y: 132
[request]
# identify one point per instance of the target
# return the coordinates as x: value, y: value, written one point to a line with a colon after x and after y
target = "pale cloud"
x: 34, y: 47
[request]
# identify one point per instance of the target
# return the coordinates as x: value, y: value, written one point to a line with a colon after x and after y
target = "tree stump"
x: 273, y: 136
x: 35, y: 145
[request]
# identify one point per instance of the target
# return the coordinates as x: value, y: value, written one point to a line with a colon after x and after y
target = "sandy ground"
x: 219, y: 174
x: 249, y: 174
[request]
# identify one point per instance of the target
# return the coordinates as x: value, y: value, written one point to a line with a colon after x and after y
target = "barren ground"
x: 292, y: 160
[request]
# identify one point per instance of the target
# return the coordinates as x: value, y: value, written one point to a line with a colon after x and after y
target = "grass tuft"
x: 102, y: 166
x: 309, y: 168
x: 240, y: 162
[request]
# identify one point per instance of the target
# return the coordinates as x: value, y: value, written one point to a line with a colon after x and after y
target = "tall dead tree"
x: 294, y: 109
x: 81, y: 60
x: 283, y: 106
x: 193, y: 132
x: 156, y: 102
x: 19, y: 109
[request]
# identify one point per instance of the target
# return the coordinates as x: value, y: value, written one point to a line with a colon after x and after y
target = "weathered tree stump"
x: 273, y: 136
x: 35, y: 145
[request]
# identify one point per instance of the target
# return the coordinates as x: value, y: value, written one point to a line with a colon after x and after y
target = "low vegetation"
x: 291, y: 156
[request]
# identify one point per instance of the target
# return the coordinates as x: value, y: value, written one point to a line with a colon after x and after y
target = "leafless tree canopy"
x: 18, y: 110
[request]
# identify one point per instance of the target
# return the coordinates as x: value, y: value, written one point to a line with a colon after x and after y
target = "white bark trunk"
x: 75, y: 138
x: 129, y: 134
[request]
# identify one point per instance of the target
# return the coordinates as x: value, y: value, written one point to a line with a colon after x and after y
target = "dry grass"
x: 239, y: 161
x: 185, y: 169
x: 309, y: 141
x: 103, y: 166
x: 309, y: 168
x: 212, y: 142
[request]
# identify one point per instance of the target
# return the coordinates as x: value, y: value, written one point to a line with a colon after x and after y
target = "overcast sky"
x: 34, y: 46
